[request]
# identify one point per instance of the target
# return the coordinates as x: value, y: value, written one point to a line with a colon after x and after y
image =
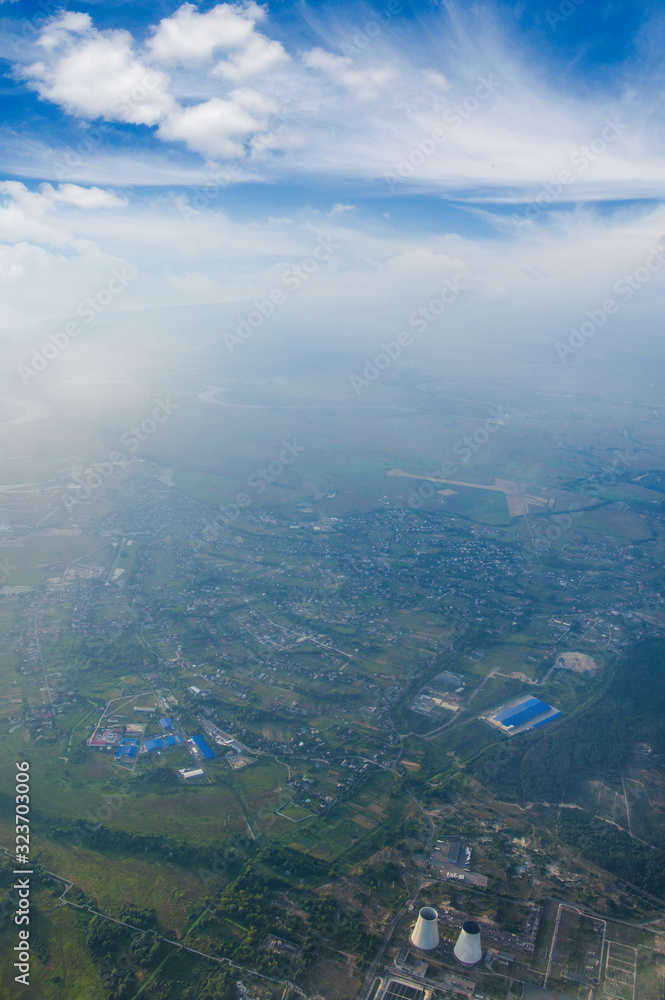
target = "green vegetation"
x: 619, y: 853
x: 594, y: 744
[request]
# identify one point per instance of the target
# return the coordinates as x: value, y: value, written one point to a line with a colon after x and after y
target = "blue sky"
x: 208, y: 146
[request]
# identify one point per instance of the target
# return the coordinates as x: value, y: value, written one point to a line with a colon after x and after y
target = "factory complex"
x: 521, y: 715
x: 128, y: 743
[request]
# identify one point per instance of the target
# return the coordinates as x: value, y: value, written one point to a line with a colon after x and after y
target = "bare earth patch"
x: 580, y: 663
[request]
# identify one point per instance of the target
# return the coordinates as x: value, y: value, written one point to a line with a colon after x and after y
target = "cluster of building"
x: 161, y: 743
x: 452, y: 861
x: 524, y: 943
x: 445, y: 691
x: 107, y: 739
x: 414, y: 977
x: 127, y: 748
x: 409, y: 980
x: 128, y: 742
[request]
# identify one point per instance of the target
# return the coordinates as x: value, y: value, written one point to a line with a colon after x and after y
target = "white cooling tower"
x: 425, y: 934
x: 468, y: 949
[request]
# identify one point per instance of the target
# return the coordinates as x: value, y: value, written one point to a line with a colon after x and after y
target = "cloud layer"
x: 357, y: 132
x: 458, y: 108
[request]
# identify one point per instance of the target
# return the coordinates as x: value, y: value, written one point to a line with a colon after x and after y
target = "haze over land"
x: 332, y: 478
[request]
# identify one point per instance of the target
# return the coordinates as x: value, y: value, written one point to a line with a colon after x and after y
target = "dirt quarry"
x: 580, y: 663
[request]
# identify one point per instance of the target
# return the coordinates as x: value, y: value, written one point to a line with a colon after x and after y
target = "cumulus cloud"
x: 24, y: 213
x: 457, y: 112
x: 190, y: 37
x: 457, y: 109
x: 259, y: 56
x: 218, y: 127
x: 95, y: 74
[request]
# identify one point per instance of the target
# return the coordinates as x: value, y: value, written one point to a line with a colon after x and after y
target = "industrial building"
x: 523, y: 943
x: 402, y: 989
x: 106, y: 738
x: 280, y: 946
x: 203, y: 748
x: 451, y: 851
x: 453, y: 861
x: 127, y: 748
x: 468, y: 950
x: 425, y: 934
x: 522, y: 714
x: 161, y: 743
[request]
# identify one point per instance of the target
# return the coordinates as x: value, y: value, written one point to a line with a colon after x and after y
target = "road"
x: 41, y: 658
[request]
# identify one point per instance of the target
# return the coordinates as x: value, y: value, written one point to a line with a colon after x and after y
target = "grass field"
x: 61, y: 967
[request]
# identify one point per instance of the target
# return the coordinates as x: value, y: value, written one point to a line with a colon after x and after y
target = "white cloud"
x: 217, y: 128
x: 59, y: 29
x: 436, y: 79
x: 99, y: 74
x: 260, y: 55
x: 95, y: 74
x: 64, y: 279
x: 190, y: 37
x: 364, y: 84
x: 508, y: 131
x: 339, y: 209
x: 502, y: 127
x: 23, y: 213
x: 73, y: 194
x: 505, y: 132
x: 578, y: 259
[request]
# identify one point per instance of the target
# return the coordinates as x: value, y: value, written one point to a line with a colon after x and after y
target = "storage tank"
x: 425, y: 934
x: 468, y: 949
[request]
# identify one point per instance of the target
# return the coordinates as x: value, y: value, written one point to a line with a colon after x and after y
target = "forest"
x: 596, y: 744
x: 614, y: 850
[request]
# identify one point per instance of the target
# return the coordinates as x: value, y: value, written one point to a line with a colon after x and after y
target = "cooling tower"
x: 425, y: 934
x: 468, y: 949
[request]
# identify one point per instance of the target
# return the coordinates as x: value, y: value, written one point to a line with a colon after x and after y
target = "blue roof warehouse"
x: 521, y: 715
x: 203, y: 747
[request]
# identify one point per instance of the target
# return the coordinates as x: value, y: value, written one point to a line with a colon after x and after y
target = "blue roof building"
x: 156, y: 744
x: 202, y: 747
x: 523, y: 714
